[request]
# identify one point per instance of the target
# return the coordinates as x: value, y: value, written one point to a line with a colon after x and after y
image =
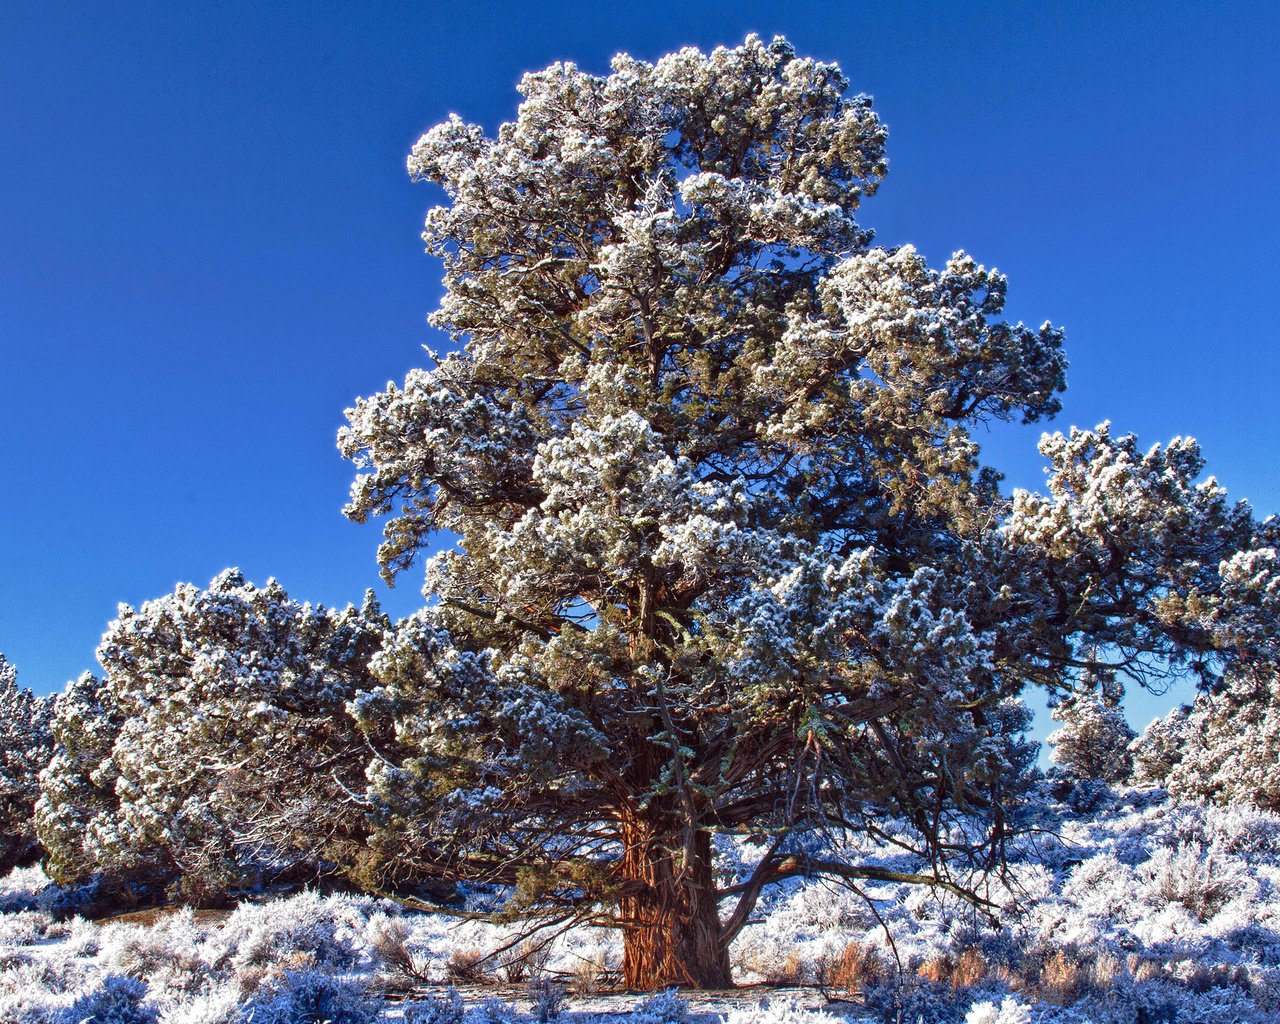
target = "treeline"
x: 227, y: 745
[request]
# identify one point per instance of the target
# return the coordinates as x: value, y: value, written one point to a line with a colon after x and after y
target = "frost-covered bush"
x: 216, y: 1005
x: 1203, y: 881
x: 496, y: 1011
x: 780, y: 1012
x: 442, y: 1009
x: 29, y: 926
x: 1242, y: 829
x: 29, y: 889
x: 172, y: 954
x: 1010, y: 1011
x: 117, y: 999
x: 546, y: 997
x: 309, y: 997
x: 664, y: 1007
x: 37, y: 992
x: 329, y: 929
x: 216, y: 740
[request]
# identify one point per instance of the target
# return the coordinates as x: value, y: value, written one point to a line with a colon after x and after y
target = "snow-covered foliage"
x: 721, y: 516
x: 1145, y: 909
x: 1224, y: 747
x: 729, y: 559
x: 26, y: 745
x: 1093, y: 740
x: 216, y: 748
x: 1010, y: 1011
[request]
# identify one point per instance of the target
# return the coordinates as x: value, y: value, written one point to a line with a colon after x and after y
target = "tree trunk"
x: 670, y: 920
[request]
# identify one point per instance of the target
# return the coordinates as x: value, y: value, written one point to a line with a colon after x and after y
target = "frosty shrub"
x: 496, y: 1011
x: 117, y: 999
x: 328, y: 929
x: 32, y: 993
x: 26, y: 745
x: 310, y: 997
x: 664, y: 1007
x: 1010, y: 1011
x: 216, y: 1005
x: 170, y: 954
x: 29, y: 889
x: 387, y: 938
x: 442, y: 1009
x: 1201, y: 880
x: 547, y: 997
x: 780, y: 1012
x: 1242, y: 829
x: 910, y: 998
x: 215, y: 747
x: 470, y: 966
x: 29, y: 926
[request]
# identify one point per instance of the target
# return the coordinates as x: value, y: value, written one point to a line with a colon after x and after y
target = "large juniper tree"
x: 726, y: 557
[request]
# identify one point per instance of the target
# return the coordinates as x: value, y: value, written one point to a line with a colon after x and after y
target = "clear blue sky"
x: 210, y: 247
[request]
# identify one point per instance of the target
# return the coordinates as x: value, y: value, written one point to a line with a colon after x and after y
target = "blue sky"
x: 211, y: 247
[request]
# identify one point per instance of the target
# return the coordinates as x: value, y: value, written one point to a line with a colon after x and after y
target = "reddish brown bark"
x: 670, y: 920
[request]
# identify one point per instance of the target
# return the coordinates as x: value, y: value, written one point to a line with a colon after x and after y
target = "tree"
x: 25, y: 748
x: 1225, y: 747
x: 727, y: 559
x: 77, y: 817
x: 1093, y: 742
x: 217, y: 748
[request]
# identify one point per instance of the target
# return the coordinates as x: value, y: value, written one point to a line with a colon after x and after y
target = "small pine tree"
x: 1093, y: 742
x: 1225, y: 747
x: 25, y: 748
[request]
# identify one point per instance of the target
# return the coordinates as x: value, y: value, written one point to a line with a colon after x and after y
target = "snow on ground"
x: 1137, y: 910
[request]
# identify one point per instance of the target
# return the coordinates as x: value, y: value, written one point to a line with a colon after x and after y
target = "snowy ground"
x: 1135, y: 912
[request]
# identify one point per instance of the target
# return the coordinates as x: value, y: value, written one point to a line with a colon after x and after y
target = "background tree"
x: 1225, y: 747
x: 25, y: 748
x: 727, y: 559
x: 216, y: 749
x: 1093, y: 740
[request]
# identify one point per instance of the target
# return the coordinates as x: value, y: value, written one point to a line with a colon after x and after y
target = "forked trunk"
x: 670, y: 920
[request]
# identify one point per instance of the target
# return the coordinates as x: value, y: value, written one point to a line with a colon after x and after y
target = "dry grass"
x: 858, y: 967
x: 961, y: 970
x: 388, y: 943
x: 1105, y: 972
x: 469, y: 966
x: 970, y: 969
x: 1062, y: 980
